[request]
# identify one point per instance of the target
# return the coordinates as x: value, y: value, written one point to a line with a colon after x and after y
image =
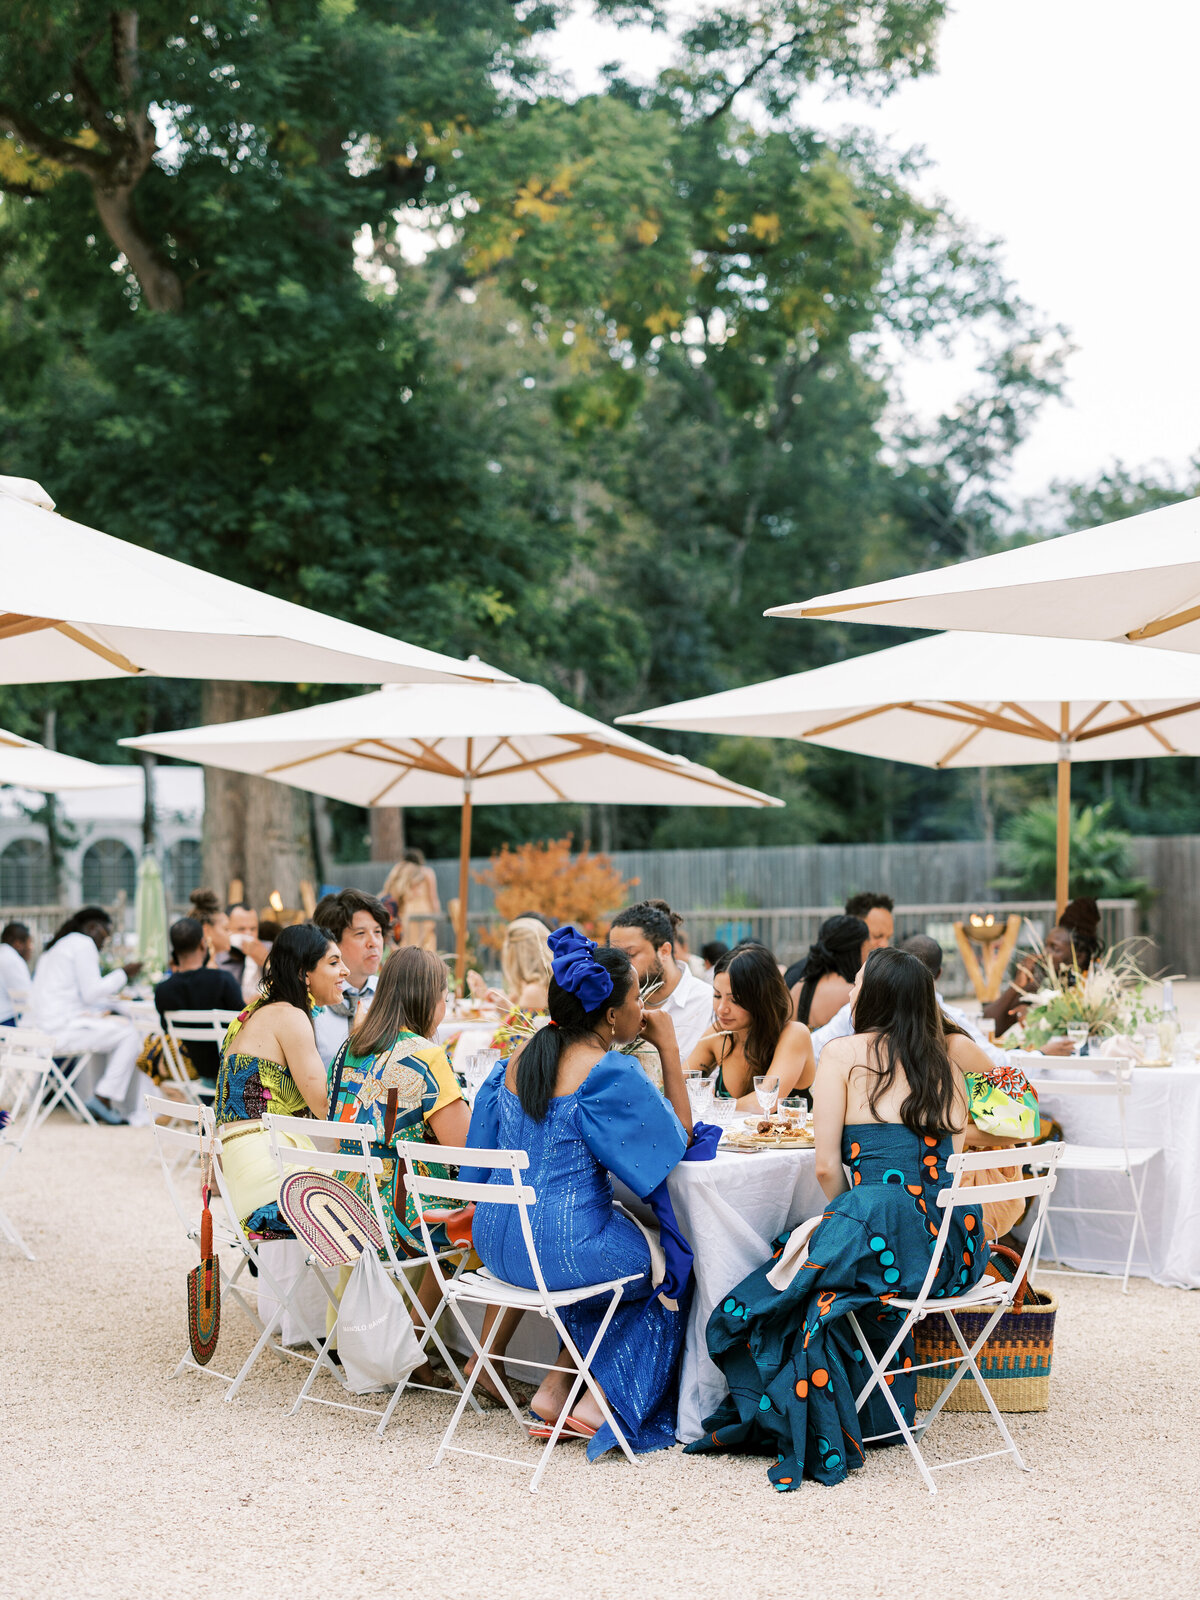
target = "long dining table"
x: 731, y: 1209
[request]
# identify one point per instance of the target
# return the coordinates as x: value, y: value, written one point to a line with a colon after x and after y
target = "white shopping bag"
x: 376, y: 1340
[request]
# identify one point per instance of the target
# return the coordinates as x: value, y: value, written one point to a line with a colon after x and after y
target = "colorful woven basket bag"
x: 1015, y: 1361
x: 204, y: 1294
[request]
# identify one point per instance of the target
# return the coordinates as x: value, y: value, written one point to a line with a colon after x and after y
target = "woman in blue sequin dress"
x: 583, y: 1110
x: 889, y: 1107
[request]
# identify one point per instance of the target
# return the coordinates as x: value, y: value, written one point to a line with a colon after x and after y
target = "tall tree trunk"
x: 254, y: 829
x: 50, y: 813
x: 322, y: 838
x: 149, y: 811
x: 986, y: 812
x: 387, y: 833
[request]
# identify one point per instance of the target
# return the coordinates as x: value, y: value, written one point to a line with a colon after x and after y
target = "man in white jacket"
x: 69, y: 1001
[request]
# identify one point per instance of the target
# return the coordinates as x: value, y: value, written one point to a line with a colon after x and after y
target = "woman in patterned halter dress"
x: 270, y: 1062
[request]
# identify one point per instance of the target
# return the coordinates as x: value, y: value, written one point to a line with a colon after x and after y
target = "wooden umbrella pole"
x: 1063, y: 846
x: 464, y: 883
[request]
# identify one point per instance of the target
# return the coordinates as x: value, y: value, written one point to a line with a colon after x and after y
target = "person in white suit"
x: 70, y: 1000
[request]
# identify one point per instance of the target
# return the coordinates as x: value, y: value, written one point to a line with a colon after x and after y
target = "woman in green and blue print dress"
x: 889, y: 1107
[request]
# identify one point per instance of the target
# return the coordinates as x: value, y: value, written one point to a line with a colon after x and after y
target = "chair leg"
x: 970, y: 1353
x: 429, y: 1335
x: 69, y: 1096
x: 1136, y: 1189
x: 879, y: 1369
x: 9, y: 1229
x: 323, y: 1359
x: 483, y: 1363
x: 879, y: 1378
x: 583, y: 1375
x: 1047, y: 1233
x: 283, y: 1302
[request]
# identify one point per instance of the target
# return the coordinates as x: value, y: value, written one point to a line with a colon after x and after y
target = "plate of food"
x: 768, y: 1133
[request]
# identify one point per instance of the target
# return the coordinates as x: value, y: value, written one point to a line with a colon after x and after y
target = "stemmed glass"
x: 700, y: 1096
x: 476, y: 1069
x: 766, y: 1091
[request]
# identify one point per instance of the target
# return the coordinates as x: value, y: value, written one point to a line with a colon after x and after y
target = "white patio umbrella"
x: 974, y: 700
x: 27, y: 765
x: 454, y: 745
x: 75, y: 603
x: 1136, y: 581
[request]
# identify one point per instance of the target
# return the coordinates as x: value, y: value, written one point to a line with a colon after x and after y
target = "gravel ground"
x: 118, y: 1480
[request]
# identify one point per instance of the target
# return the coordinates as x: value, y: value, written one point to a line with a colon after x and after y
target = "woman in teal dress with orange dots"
x: 890, y: 1105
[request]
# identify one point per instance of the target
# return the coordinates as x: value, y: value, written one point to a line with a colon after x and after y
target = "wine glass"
x: 700, y: 1096
x: 766, y: 1090
x: 1077, y: 1033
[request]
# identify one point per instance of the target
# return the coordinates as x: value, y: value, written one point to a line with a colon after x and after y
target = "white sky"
x: 1067, y: 129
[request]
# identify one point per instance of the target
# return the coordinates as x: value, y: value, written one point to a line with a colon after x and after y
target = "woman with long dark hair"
x: 829, y: 970
x: 582, y: 1110
x: 890, y: 1105
x: 755, y: 1036
x: 424, y: 1102
x: 269, y: 1062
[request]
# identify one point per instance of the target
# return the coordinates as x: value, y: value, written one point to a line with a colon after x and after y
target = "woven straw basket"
x: 1015, y: 1361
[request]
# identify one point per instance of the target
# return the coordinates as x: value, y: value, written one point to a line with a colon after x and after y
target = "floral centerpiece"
x: 1109, y: 998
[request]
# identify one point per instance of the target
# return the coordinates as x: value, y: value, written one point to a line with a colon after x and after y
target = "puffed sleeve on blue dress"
x: 628, y: 1125
x: 632, y: 1131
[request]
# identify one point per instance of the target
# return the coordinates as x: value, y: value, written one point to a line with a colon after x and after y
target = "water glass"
x: 722, y: 1111
x: 1148, y: 1043
x: 700, y: 1097
x: 766, y: 1090
x: 1077, y: 1033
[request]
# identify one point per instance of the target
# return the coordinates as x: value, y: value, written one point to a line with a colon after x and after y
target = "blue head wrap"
x: 576, y: 971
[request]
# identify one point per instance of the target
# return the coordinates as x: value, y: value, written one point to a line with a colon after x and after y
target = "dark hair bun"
x: 204, y: 903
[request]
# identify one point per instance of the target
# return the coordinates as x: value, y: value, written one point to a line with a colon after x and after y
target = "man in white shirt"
x: 247, y: 953
x: 930, y: 952
x: 359, y: 924
x: 16, y: 947
x: 68, y: 1000
x: 646, y: 933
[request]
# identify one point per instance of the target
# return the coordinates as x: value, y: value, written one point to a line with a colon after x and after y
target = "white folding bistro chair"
x: 22, y: 1088
x: 190, y: 1027
x: 995, y: 1295
x: 400, y: 1269
x: 1098, y: 1077
x: 190, y: 1133
x: 482, y: 1289
x: 60, y: 1078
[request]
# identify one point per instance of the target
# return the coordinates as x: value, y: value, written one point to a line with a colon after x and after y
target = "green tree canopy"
x: 346, y: 299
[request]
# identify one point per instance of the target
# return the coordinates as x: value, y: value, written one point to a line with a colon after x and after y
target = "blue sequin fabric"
x: 615, y: 1122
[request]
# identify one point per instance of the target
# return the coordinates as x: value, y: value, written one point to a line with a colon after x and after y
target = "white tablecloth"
x: 731, y: 1211
x: 1162, y: 1111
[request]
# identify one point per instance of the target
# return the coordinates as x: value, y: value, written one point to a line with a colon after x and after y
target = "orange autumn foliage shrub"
x: 584, y: 889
